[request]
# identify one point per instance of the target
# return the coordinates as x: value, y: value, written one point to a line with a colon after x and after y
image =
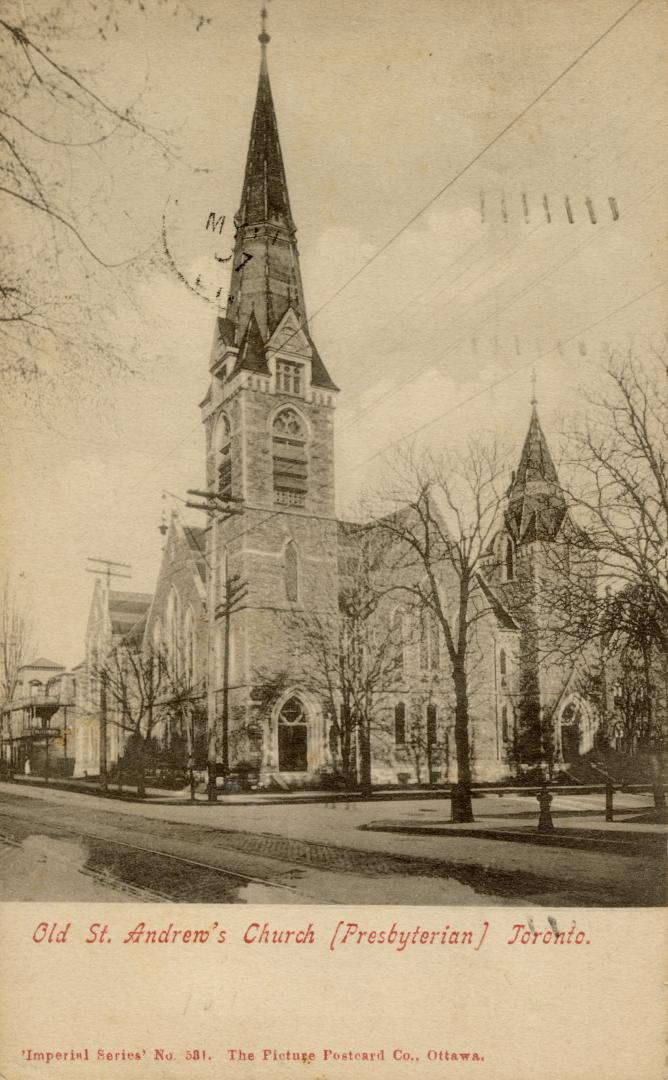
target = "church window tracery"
x: 292, y: 737
x: 289, y: 458
x: 510, y: 561
x: 400, y: 724
x: 289, y: 378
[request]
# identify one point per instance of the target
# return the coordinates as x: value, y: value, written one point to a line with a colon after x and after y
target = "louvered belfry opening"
x: 223, y: 439
x: 289, y: 458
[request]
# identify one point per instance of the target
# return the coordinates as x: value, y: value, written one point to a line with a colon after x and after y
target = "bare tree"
x: 422, y: 736
x: 183, y: 707
x: 137, y: 688
x: 620, y: 460
x: 352, y: 657
x: 16, y: 638
x: 606, y: 585
x: 446, y: 516
x: 58, y: 133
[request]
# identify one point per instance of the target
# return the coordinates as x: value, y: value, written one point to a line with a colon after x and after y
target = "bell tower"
x: 268, y: 418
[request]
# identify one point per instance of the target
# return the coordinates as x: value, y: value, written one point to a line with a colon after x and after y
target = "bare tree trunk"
x: 141, y: 770
x: 462, y: 808
x: 365, y: 755
x: 344, y: 744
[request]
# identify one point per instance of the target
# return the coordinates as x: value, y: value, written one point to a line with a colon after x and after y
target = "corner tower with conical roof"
x: 539, y: 561
x: 268, y: 417
x: 536, y: 504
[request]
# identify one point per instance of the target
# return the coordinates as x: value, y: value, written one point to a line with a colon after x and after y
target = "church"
x: 250, y: 609
x: 268, y: 420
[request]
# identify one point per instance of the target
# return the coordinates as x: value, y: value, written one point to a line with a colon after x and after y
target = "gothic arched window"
x: 289, y: 458
x: 291, y: 573
x: 223, y: 457
x: 502, y: 662
x: 398, y: 641
x: 292, y: 737
x: 434, y: 642
x: 93, y: 677
x: 173, y: 630
x: 504, y: 723
x: 431, y: 726
x: 423, y: 646
x: 189, y: 645
x: 400, y: 724
x: 510, y: 561
x: 430, y: 642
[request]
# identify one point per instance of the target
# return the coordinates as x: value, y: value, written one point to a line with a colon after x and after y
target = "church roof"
x: 44, y: 664
x: 135, y: 634
x: 196, y: 539
x: 319, y: 373
x: 252, y: 356
x: 498, y: 608
x: 126, y: 609
x: 536, y: 504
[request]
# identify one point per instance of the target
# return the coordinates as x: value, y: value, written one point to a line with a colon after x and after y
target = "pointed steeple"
x: 264, y: 198
x: 536, y: 504
x: 266, y: 280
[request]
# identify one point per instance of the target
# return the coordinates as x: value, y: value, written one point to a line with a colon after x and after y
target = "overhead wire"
x: 457, y: 176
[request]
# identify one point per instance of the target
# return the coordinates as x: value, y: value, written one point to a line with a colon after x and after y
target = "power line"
x: 472, y: 397
x: 494, y: 315
x: 441, y: 191
x: 519, y: 116
x: 492, y: 142
x: 508, y: 375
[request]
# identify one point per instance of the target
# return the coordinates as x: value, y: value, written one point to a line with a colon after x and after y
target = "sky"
x: 430, y: 310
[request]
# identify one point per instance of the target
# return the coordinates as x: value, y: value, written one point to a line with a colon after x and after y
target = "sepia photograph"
x: 334, y: 434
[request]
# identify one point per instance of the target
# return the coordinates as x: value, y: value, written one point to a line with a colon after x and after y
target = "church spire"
x: 536, y: 504
x: 265, y: 192
x: 266, y: 279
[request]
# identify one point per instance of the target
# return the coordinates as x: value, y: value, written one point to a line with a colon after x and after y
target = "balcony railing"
x: 39, y: 701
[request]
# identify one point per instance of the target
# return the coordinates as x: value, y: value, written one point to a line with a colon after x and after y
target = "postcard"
x: 334, y: 500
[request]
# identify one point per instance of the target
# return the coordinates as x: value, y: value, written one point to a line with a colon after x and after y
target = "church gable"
x: 290, y: 337
x: 182, y: 570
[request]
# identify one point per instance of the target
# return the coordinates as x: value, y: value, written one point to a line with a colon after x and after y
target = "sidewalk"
x: 620, y: 837
x: 181, y: 796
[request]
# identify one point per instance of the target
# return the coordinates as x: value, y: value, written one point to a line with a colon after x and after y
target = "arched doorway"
x: 292, y: 737
x: 576, y: 728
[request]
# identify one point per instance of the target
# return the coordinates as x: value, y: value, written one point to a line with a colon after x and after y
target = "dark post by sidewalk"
x: 459, y: 802
x: 545, y: 822
x: 609, y: 795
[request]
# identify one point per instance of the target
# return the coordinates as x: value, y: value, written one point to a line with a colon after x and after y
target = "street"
x: 57, y: 845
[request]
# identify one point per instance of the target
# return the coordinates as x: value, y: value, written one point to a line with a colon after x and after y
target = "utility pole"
x: 235, y: 592
x: 218, y: 509
x: 103, y: 730
x: 109, y: 570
